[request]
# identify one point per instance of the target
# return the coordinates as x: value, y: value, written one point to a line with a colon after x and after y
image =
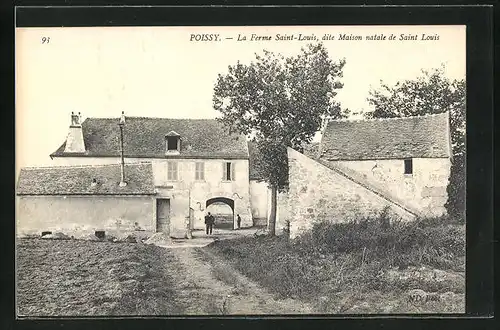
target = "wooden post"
x: 272, y: 216
x: 122, y: 167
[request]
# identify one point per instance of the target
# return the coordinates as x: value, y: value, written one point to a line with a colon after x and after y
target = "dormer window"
x: 173, y: 142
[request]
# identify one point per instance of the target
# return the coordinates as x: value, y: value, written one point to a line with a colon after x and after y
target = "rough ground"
x: 413, y: 280
x: 85, y: 278
x: 88, y: 278
x: 207, y: 284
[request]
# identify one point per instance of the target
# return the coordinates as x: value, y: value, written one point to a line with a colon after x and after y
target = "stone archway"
x: 222, y: 200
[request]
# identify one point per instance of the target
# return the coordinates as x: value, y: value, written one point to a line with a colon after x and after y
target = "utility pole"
x: 123, y: 183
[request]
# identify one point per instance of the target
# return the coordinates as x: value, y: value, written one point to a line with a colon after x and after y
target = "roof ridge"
x: 144, y: 138
x: 147, y: 117
x: 81, y: 166
x: 386, y: 119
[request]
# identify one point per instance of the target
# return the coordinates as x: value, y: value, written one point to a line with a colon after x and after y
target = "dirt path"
x: 205, y: 284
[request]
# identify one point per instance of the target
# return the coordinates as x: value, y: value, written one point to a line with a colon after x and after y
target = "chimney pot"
x: 74, y: 139
x: 122, y: 118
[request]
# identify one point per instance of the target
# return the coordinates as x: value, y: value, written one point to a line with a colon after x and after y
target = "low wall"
x: 260, y: 222
x: 79, y: 215
x: 317, y: 193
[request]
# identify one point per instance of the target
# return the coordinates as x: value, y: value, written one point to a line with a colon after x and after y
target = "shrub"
x: 435, y: 241
x: 455, y: 204
x: 352, y: 259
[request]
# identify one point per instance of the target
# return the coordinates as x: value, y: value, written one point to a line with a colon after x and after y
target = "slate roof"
x: 395, y: 138
x: 77, y: 180
x: 310, y: 150
x: 145, y: 137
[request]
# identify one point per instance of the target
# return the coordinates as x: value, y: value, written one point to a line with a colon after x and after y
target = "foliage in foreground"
x: 433, y: 242
x: 355, y: 260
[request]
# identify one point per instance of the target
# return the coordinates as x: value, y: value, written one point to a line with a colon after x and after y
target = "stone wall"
x: 318, y: 193
x: 79, y: 215
x: 424, y: 189
x: 283, y: 215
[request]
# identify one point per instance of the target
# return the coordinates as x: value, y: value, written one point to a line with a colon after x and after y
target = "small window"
x: 200, y: 171
x: 228, y: 171
x: 172, y: 143
x: 172, y: 171
x: 408, y: 166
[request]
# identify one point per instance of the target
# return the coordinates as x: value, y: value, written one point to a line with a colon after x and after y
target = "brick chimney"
x: 74, y: 141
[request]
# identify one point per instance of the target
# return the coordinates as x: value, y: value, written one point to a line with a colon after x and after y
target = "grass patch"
x: 349, y: 267
x: 82, y: 278
x: 220, y: 272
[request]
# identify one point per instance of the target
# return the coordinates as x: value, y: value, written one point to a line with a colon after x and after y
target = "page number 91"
x: 45, y: 40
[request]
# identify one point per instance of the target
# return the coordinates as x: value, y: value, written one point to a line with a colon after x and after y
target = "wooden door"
x: 163, y: 215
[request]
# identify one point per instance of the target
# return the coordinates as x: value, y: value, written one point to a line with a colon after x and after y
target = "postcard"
x: 240, y: 170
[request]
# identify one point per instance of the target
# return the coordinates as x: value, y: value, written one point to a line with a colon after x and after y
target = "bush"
x: 435, y: 241
x: 352, y: 259
x: 456, y: 188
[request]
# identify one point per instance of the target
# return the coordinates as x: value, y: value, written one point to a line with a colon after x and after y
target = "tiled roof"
x: 78, y: 180
x: 310, y: 150
x: 145, y: 137
x: 425, y: 136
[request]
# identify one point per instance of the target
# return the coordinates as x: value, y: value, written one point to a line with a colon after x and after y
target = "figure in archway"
x: 222, y: 209
x: 209, y: 223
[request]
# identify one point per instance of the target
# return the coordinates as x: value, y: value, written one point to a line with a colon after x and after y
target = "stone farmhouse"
x: 174, y: 169
x: 364, y: 166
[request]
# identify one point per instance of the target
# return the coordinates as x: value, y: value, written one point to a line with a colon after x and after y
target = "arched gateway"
x: 222, y: 200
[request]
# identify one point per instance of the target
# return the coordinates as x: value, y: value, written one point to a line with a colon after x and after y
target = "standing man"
x: 209, y: 222
x: 238, y: 220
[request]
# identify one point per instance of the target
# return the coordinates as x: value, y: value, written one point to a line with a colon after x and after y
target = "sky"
x: 160, y: 72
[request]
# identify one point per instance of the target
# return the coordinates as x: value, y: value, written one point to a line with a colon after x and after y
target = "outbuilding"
x: 78, y: 200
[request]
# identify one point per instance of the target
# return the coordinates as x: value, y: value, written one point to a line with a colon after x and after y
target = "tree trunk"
x: 272, y: 216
